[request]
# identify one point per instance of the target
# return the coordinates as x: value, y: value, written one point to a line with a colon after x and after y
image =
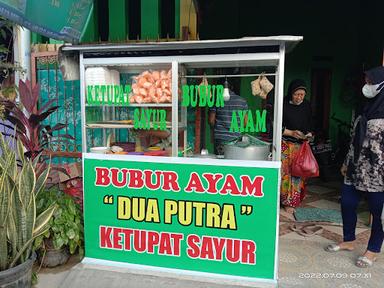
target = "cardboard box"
x: 74, y: 170
x: 53, y: 177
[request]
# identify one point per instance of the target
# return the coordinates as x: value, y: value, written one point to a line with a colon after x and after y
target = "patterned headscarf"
x: 374, y: 109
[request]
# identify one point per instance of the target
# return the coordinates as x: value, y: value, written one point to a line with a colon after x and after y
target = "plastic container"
x: 19, y: 276
x: 156, y: 153
x: 135, y: 153
x: 101, y: 76
x: 97, y: 76
x: 154, y: 148
x: 127, y: 146
x: 100, y: 150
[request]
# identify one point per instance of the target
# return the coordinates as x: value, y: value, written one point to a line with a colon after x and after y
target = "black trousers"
x: 350, y: 198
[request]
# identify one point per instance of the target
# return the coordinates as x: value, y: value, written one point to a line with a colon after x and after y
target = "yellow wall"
x: 188, y: 16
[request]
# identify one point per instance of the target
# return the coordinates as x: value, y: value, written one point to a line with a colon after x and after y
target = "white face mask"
x: 294, y: 103
x: 371, y: 91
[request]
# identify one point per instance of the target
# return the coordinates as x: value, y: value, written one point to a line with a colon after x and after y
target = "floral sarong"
x: 292, y: 188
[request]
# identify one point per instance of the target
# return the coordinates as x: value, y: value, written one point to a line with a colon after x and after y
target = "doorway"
x: 320, y: 100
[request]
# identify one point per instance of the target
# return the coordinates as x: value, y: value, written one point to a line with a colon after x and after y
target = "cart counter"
x: 216, y: 216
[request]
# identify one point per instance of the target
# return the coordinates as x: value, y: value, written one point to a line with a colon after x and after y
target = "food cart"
x: 207, y: 217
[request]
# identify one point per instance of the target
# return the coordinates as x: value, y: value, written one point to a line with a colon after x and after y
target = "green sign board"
x: 217, y: 216
x: 59, y: 19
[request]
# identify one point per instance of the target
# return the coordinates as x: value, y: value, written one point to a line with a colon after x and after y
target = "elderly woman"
x: 364, y: 168
x: 296, y: 128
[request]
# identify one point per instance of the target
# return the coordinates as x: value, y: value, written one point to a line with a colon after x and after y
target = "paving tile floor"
x: 302, y: 260
x: 326, y: 195
x: 306, y: 264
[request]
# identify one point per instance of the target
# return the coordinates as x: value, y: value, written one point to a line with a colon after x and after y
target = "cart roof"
x: 259, y: 44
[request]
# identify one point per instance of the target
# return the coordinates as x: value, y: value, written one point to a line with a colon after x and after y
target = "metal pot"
x: 250, y: 152
x: 54, y: 257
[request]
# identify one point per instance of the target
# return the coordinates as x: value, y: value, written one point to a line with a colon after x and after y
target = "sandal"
x: 289, y: 209
x: 310, y: 230
x: 336, y: 248
x: 364, y: 262
x: 298, y: 226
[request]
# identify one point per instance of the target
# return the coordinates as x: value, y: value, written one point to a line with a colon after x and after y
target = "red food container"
x: 156, y: 153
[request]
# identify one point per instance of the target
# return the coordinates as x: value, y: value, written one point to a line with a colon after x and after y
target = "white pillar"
x: 22, y: 52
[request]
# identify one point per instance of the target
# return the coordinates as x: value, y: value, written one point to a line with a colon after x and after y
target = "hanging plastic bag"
x: 266, y: 85
x: 255, y: 85
x: 261, y: 86
x: 304, y: 164
x: 204, y: 83
x: 382, y: 218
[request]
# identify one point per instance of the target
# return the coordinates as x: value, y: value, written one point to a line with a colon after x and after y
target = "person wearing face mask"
x: 297, y: 119
x: 363, y: 170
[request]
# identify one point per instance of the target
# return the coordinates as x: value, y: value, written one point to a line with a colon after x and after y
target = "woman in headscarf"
x: 296, y: 128
x: 364, y: 169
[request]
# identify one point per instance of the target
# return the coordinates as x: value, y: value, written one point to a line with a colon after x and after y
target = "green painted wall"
x: 150, y: 19
x: 340, y: 39
x: 254, y: 102
x: 37, y: 38
x: 177, y: 19
x: 91, y: 33
x: 118, y: 24
x: 343, y: 40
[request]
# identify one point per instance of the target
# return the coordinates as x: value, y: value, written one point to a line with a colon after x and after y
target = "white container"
x: 114, y: 77
x: 102, y: 76
x: 97, y: 76
x: 100, y: 150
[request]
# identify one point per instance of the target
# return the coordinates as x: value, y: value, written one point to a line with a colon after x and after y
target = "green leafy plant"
x: 29, y: 120
x: 20, y: 223
x: 7, y: 66
x: 66, y: 226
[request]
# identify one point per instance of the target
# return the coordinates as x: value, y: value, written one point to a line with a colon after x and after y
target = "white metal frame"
x: 185, y: 160
x: 181, y: 273
x: 271, y: 58
x: 84, y: 63
x: 175, y: 109
x: 82, y: 104
x: 275, y: 59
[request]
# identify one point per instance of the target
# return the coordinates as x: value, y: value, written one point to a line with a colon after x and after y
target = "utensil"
x: 116, y: 149
x: 204, y: 152
x: 100, y: 150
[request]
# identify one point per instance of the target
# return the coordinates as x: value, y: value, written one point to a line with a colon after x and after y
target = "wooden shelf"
x: 134, y: 105
x: 62, y: 154
x: 102, y: 125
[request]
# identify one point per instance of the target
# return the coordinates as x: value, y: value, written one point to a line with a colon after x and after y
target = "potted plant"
x: 20, y: 223
x: 28, y: 120
x: 65, y: 234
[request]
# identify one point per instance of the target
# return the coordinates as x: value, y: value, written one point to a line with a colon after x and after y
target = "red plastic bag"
x: 305, y: 164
